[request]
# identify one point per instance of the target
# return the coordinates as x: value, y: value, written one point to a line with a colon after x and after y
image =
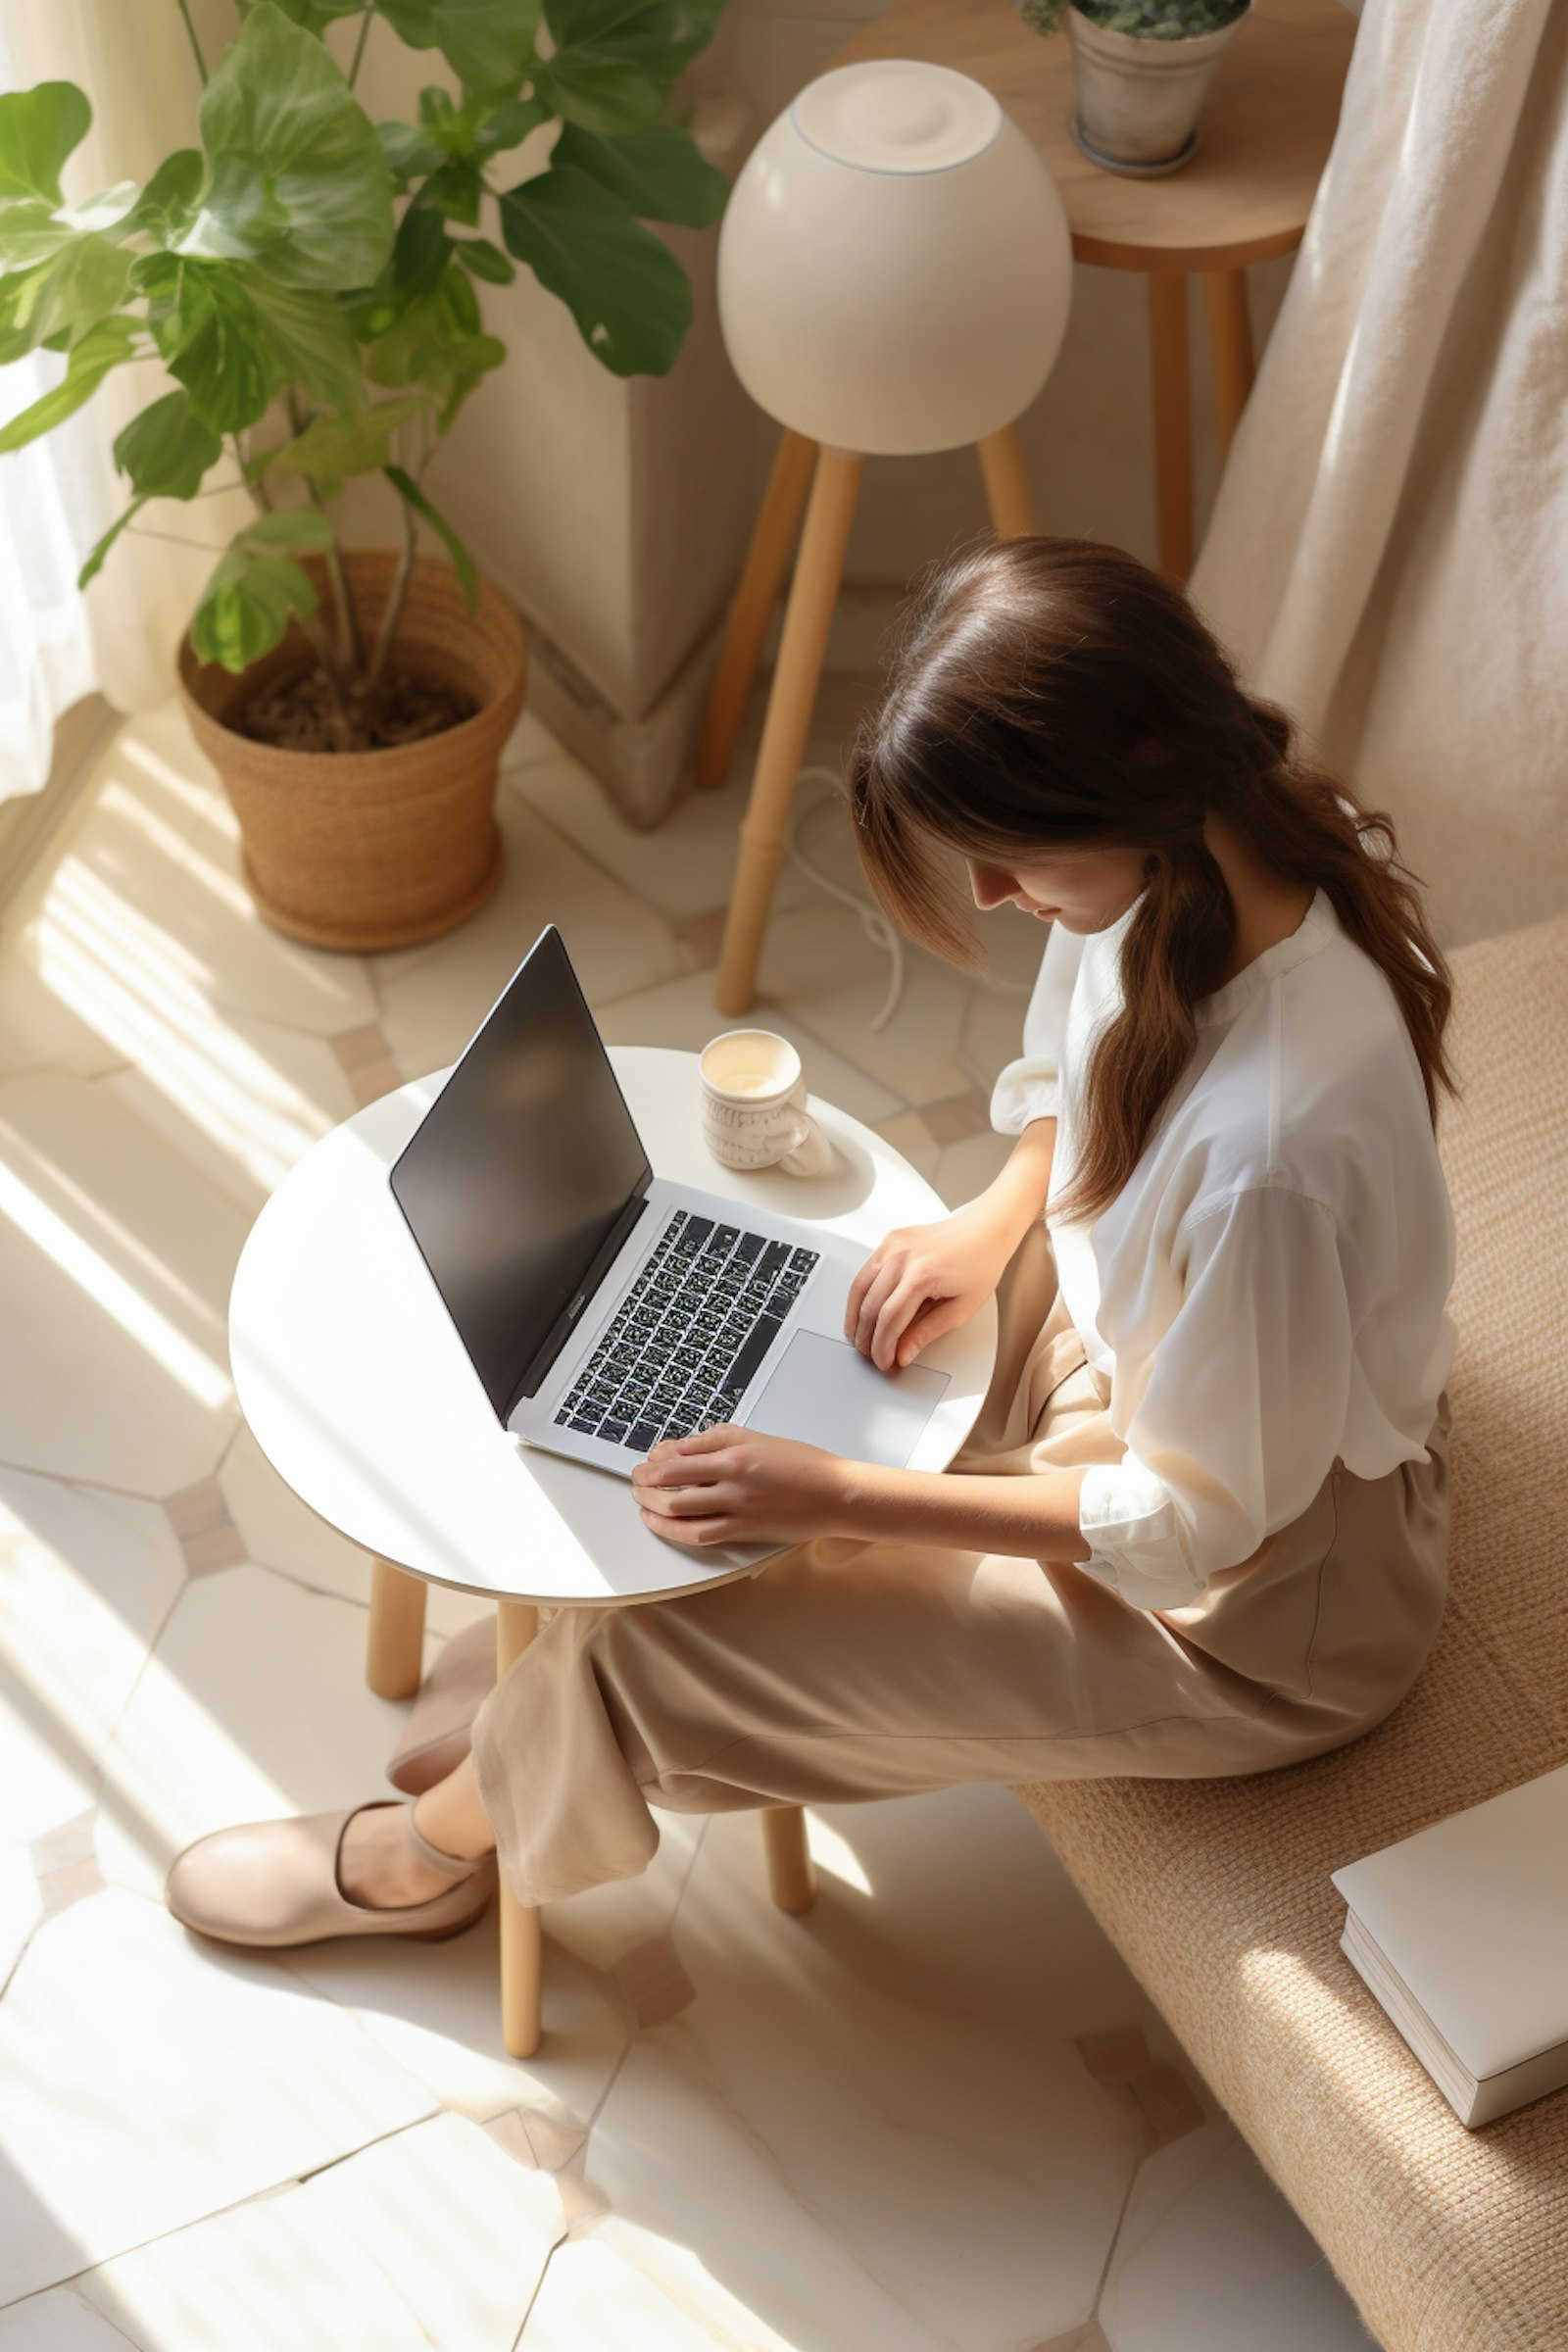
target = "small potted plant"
x: 1141, y: 69
x: 312, y: 283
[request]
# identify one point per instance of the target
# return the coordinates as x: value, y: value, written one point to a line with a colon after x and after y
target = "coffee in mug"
x: 754, y: 1105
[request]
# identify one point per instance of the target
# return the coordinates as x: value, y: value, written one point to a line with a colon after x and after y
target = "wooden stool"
x: 1268, y: 125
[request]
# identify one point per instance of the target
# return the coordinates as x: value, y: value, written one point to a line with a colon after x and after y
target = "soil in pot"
x: 298, y: 712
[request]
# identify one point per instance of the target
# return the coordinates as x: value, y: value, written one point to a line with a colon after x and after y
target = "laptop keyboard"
x: 684, y: 1342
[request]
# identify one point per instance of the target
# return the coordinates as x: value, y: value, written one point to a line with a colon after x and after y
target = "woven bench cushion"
x: 1217, y: 1891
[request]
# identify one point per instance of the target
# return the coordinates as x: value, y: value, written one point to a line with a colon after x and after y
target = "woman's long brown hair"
x: 1049, y: 694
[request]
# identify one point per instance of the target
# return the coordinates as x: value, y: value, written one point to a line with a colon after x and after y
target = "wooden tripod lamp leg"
x: 767, y: 562
x: 1230, y: 340
x: 791, y: 1877
x: 394, y: 1645
x: 516, y: 1622
x: 807, y: 616
x: 1173, y: 421
x: 1006, y: 480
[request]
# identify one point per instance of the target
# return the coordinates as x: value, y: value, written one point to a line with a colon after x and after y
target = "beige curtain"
x: 1389, y: 550
x: 133, y: 58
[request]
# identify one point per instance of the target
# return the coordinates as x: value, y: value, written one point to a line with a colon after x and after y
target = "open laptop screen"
x: 520, y: 1169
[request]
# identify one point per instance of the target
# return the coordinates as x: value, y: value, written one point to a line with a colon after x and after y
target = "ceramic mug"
x: 754, y: 1105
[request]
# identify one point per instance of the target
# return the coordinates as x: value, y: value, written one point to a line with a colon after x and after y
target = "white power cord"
x: 878, y: 929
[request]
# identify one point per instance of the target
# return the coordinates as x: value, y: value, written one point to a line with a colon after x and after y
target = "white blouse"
x: 1269, y: 1289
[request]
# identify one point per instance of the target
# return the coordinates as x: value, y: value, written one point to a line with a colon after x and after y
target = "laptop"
x: 604, y: 1307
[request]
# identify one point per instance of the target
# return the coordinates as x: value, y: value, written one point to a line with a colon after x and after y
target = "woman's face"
x: 1084, y: 890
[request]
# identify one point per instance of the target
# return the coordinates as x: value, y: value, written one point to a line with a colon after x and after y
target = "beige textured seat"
x: 1217, y: 1891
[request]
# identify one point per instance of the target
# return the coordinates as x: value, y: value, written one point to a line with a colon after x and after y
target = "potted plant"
x: 312, y: 283
x: 1141, y: 69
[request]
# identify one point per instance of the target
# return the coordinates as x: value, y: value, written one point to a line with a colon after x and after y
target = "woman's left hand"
x: 735, y: 1486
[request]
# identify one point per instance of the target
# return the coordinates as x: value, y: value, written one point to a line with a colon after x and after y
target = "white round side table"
x: 359, y: 1392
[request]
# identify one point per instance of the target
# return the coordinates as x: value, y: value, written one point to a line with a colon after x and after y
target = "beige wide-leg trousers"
x: 845, y: 1670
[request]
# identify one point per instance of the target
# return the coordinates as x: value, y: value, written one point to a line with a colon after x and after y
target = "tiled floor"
x: 935, y: 2111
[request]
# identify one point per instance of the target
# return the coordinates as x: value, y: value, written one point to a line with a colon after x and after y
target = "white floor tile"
x: 239, y: 1099
x: 83, y: 972
x: 148, y: 2078
x: 967, y: 1168
x: 441, y: 2019
x: 116, y: 1260
x: 253, y: 1705
x: 681, y: 1013
x: 820, y: 966
x: 20, y: 1906
x: 432, y: 2238
x: 857, y: 2162
x: 434, y: 998
x: 58, y: 2320
x: 87, y: 1581
x: 618, y: 2285
x: 1213, y: 2258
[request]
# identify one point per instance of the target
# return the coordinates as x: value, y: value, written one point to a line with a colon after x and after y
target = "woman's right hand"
x: 924, y: 1280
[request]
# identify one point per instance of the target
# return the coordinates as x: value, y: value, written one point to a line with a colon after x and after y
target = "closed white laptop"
x: 604, y: 1307
x: 1468, y: 1923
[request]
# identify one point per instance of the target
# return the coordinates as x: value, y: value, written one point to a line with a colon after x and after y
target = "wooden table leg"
x: 1173, y: 421
x: 1230, y: 340
x: 1006, y: 480
x: 791, y: 1875
x: 767, y: 562
x: 807, y: 616
x: 394, y: 1649
x: 516, y: 1622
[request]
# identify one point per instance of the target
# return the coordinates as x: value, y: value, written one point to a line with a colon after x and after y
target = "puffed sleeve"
x: 1243, y: 1409
x: 1030, y: 1087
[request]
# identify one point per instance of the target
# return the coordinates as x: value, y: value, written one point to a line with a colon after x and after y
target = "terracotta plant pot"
x: 374, y: 850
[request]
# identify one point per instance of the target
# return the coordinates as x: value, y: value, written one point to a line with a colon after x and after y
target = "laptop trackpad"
x: 825, y: 1393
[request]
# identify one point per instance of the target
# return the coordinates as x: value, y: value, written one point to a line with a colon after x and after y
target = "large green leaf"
x: 314, y: 15
x: 246, y: 605
x: 439, y: 343
x: 462, y: 562
x: 278, y: 104
x: 312, y: 343
x: 103, y: 345
x: 630, y: 297
x: 166, y: 450
x: 38, y: 128
x: 165, y: 207
x: 598, y: 91
x: 81, y: 283
x: 658, y: 36
x: 656, y: 171
x: 213, y: 338
x: 484, y: 260
x: 332, y: 446
x: 488, y: 43
x: 241, y: 213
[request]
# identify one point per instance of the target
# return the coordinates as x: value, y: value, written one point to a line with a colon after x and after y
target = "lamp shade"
x: 895, y: 265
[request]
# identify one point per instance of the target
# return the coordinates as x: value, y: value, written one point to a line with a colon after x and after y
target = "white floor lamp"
x: 895, y: 269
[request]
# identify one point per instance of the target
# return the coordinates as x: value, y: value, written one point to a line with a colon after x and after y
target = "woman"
x: 1200, y: 1526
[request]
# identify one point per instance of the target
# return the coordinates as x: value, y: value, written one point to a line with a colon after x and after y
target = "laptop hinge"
x: 565, y: 1324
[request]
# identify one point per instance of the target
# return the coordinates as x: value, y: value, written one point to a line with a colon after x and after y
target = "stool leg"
x: 1006, y: 480
x: 791, y: 1877
x: 767, y: 562
x: 807, y: 616
x: 1173, y: 421
x: 516, y: 1622
x: 1230, y: 339
x: 394, y: 1648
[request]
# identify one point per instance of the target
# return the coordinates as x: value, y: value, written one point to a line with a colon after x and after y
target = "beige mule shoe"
x: 277, y: 1882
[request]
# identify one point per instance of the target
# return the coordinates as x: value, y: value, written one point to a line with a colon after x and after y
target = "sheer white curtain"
x: 1389, y: 550
x: 57, y: 495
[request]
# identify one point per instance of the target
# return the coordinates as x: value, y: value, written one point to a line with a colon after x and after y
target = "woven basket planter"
x: 374, y: 850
